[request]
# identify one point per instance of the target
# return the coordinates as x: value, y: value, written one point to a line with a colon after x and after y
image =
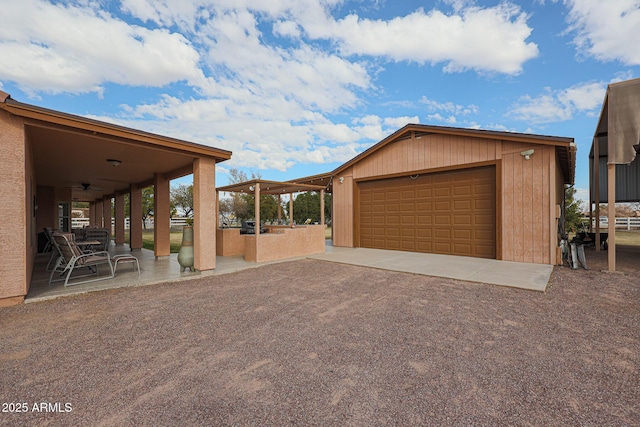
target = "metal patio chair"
x: 73, y: 259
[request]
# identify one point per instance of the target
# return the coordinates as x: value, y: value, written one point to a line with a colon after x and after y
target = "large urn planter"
x: 185, y: 256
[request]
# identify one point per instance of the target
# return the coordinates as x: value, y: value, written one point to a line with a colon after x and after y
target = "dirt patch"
x: 314, y: 343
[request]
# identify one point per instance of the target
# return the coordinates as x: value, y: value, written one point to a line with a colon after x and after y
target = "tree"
x: 572, y: 211
x: 241, y: 205
x: 307, y: 206
x: 147, y: 205
x: 182, y: 198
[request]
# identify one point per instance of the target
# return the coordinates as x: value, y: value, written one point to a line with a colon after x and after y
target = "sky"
x: 298, y: 87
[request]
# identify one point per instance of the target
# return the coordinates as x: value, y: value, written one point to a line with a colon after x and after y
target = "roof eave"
x: 98, y: 127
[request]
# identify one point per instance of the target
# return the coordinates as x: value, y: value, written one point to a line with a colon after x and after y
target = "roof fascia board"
x: 98, y: 127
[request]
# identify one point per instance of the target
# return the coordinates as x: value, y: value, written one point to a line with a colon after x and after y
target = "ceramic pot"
x: 185, y: 256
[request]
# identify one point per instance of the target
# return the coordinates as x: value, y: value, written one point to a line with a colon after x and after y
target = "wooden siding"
x: 343, y: 210
x: 528, y: 189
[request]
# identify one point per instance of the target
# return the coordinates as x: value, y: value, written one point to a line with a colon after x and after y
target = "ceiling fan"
x: 85, y: 186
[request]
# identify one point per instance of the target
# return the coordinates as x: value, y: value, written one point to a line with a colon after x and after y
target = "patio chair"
x: 99, y: 234
x: 73, y: 259
x: 51, y: 246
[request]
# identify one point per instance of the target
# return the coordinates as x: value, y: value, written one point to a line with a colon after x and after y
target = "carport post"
x: 106, y: 214
x: 92, y: 212
x: 98, y: 218
x: 611, y: 200
x: 161, y: 217
x: 119, y: 209
x: 135, y: 217
x: 205, y: 214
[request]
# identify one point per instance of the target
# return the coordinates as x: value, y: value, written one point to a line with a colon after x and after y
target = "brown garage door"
x: 446, y: 213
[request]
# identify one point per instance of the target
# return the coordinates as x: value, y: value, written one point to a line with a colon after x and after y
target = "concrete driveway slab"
x: 504, y: 273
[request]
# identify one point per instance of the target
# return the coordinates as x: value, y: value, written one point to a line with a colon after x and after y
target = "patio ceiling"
x: 270, y: 187
x: 70, y: 150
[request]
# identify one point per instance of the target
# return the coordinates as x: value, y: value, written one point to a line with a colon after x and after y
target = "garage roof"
x: 566, y: 148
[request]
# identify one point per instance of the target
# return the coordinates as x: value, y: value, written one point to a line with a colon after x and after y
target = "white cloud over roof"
x: 606, y: 30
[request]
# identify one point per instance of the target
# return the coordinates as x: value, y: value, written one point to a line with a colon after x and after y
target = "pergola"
x: 260, y: 186
x: 614, y: 170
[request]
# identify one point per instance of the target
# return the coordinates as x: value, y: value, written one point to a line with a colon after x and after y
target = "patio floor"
x: 152, y: 272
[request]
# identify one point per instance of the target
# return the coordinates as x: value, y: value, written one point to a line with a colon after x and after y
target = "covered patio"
x: 274, y: 241
x: 49, y: 159
x: 614, y: 169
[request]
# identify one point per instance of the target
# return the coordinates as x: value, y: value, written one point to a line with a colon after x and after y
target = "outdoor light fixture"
x: 251, y: 188
x: 114, y: 162
x: 527, y: 153
x: 341, y: 179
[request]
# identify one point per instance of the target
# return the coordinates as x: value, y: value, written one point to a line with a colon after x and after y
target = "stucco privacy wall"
x: 526, y: 194
x: 15, y: 245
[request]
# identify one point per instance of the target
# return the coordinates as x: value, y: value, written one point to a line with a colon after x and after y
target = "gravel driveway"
x: 313, y: 343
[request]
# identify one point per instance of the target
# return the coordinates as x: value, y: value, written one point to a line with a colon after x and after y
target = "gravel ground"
x: 314, y: 343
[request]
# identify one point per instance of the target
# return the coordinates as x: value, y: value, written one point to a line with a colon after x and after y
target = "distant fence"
x: 621, y: 223
x: 173, y: 222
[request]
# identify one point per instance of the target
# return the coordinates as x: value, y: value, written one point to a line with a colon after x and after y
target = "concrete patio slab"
x: 521, y: 275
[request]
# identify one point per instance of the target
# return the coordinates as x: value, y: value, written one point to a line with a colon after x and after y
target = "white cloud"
x: 606, y: 30
x: 265, y: 77
x: 448, y: 107
x: 473, y: 38
x: 560, y: 105
x: 57, y: 48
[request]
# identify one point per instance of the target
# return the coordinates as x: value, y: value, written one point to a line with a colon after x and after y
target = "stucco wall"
x: 15, y: 244
x: 526, y: 195
x: 283, y: 243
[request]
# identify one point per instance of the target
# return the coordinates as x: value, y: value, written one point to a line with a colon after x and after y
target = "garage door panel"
x: 484, y: 219
x: 424, y: 233
x: 461, y: 220
x: 462, y: 234
x: 462, y: 249
x: 424, y: 220
x: 442, y: 247
x: 442, y: 206
x: 463, y: 190
x: 408, y: 233
x: 442, y: 233
x: 408, y: 220
x: 446, y: 212
x: 424, y: 193
x: 442, y: 220
x: 442, y: 192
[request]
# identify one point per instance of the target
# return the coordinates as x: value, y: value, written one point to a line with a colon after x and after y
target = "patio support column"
x: 279, y: 208
x: 257, y: 227
x: 98, y: 218
x: 106, y: 214
x: 290, y: 208
x: 205, y: 214
x: 161, y: 217
x: 92, y: 212
x: 611, y: 201
x: 321, y: 207
x: 135, y: 218
x: 119, y: 208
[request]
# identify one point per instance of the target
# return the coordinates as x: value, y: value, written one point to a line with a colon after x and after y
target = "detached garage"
x: 457, y: 192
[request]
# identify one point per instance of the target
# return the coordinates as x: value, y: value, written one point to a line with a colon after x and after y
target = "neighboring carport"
x: 614, y: 168
x: 50, y: 159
